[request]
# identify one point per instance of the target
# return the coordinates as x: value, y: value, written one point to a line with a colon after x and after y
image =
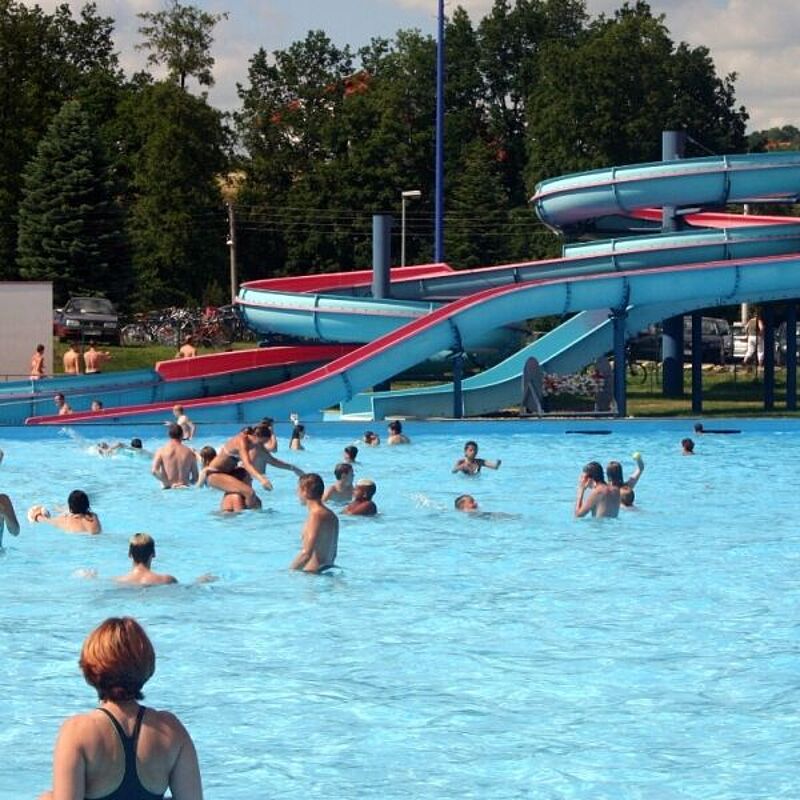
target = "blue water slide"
x: 650, y: 277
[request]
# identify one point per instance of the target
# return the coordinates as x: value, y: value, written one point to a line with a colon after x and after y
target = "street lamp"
x: 410, y: 194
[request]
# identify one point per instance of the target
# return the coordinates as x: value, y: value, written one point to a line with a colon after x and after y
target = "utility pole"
x: 232, y: 246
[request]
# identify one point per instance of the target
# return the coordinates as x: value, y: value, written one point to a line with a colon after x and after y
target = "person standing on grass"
x: 94, y: 359
x: 72, y: 361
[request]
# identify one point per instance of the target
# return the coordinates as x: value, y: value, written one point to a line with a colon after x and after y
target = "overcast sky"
x: 759, y: 41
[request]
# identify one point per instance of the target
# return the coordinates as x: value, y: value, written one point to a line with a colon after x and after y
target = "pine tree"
x: 69, y: 227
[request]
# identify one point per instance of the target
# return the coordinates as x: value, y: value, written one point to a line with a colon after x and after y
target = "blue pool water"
x: 655, y: 656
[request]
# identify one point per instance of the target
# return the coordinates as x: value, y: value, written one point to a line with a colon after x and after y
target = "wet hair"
x: 298, y: 431
x: 117, y: 659
x: 594, y: 471
x: 461, y: 500
x: 698, y: 427
x: 470, y: 443
x: 174, y: 431
x: 352, y: 451
x: 614, y: 473
x: 207, y: 455
x: 626, y: 495
x: 687, y: 444
x: 263, y: 430
x: 312, y: 485
x: 141, y: 548
x: 342, y: 468
x: 136, y: 444
x: 78, y: 502
x: 58, y: 396
x: 370, y: 436
x: 97, y: 405
x: 395, y: 426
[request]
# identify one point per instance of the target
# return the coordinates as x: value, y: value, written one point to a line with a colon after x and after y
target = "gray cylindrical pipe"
x: 381, y: 255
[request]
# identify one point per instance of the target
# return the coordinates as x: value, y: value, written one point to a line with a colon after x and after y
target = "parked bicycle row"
x: 208, y: 327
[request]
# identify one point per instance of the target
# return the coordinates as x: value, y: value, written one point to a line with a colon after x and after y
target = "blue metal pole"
x: 791, y: 357
x: 673, y: 145
x: 618, y: 319
x: 381, y: 255
x: 697, y: 363
x: 438, y: 251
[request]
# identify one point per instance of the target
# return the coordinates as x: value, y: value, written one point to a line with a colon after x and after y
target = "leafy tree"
x: 45, y: 59
x: 181, y: 37
x: 175, y: 145
x: 70, y: 231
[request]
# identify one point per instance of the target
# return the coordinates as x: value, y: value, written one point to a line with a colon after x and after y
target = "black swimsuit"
x: 131, y: 787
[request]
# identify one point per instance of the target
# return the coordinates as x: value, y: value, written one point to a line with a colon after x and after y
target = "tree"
x: 175, y: 145
x: 181, y: 37
x: 70, y: 231
x: 44, y: 60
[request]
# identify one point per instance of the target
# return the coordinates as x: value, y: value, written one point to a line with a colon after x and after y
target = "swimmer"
x: 8, y: 517
x: 97, y: 405
x: 396, y: 435
x: 174, y: 464
x: 270, y: 444
x: 319, y: 539
x: 341, y: 491
x: 627, y: 497
x: 350, y: 454
x: 470, y: 464
x: 296, y: 440
x: 135, y: 447
x: 232, y: 503
x: 371, y: 439
x: 466, y: 503
x: 687, y: 447
x: 142, y: 551
x: 362, y: 504
x: 62, y: 406
x: 603, y: 499
x: 78, y: 519
x: 187, y: 426
x: 614, y: 472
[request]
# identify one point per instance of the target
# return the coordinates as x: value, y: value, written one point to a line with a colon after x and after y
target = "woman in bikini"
x: 79, y: 518
x: 123, y: 749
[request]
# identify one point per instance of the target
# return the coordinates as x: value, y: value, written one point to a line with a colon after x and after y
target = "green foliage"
x: 181, y: 37
x: 44, y: 60
x: 176, y: 217
x: 70, y: 231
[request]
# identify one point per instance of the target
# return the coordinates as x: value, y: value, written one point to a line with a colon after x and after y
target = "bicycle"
x: 637, y: 371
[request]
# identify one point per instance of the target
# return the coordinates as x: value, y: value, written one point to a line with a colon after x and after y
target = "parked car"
x: 717, y: 341
x: 87, y: 318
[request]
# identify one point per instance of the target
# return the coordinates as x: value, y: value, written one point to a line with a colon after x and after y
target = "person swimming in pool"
x: 470, y: 464
x: 174, y: 464
x: 142, y: 551
x: 396, y: 435
x: 319, y: 539
x: 362, y: 504
x: 8, y: 517
x: 341, y: 491
x: 79, y: 518
x: 627, y: 497
x: 603, y: 499
x: 614, y: 472
x: 466, y: 503
x: 687, y: 447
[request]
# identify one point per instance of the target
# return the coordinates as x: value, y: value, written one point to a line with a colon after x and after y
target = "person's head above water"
x: 626, y: 496
x: 136, y: 444
x: 351, y: 452
x: 78, y: 502
x: 614, y: 473
x: 311, y: 486
x: 141, y: 548
x: 117, y: 659
x: 174, y: 431
x: 594, y: 472
x: 367, y: 488
x: 466, y: 502
x: 342, y: 468
x: 687, y: 445
x: 395, y: 427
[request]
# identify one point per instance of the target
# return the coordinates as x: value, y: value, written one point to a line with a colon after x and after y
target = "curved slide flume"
x: 635, y: 275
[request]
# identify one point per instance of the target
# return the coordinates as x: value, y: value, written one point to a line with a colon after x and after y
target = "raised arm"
x: 583, y: 507
x: 276, y: 462
x: 637, y: 473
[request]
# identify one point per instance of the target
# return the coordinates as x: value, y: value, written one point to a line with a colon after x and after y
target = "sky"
x: 758, y: 41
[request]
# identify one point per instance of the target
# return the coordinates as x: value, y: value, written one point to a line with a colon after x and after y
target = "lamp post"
x: 410, y: 194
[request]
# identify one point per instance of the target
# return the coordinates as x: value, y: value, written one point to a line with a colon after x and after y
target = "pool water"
x: 653, y: 656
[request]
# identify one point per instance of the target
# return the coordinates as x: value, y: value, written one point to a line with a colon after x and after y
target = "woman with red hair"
x: 122, y: 750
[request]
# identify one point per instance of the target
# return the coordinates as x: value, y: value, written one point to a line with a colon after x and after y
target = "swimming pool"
x: 652, y: 656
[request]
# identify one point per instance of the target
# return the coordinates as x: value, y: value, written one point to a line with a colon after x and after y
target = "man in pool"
x: 470, y: 464
x: 603, y: 499
x: 362, y: 504
x: 319, y: 539
x: 142, y: 551
x: 466, y: 503
x: 8, y: 517
x: 174, y: 464
x: 396, y: 435
x: 341, y: 491
x: 61, y: 404
x: 687, y: 447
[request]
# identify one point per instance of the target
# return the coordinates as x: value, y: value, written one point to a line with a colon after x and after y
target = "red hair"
x: 117, y: 659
